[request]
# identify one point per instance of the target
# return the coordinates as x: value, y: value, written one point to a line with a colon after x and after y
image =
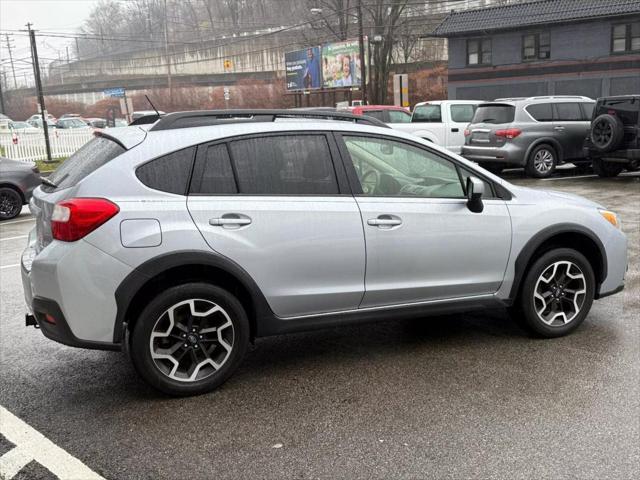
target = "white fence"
x: 30, y: 146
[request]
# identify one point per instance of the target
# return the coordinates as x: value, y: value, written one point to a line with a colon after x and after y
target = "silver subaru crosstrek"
x: 182, y: 240
x: 537, y: 133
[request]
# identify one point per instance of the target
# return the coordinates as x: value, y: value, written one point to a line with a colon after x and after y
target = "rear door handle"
x: 455, y: 130
x: 559, y: 128
x: 230, y: 220
x: 385, y: 221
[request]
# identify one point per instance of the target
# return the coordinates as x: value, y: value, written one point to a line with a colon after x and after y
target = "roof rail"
x: 201, y: 118
x: 543, y: 97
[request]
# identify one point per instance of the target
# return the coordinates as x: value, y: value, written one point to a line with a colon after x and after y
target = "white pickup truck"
x: 441, y: 122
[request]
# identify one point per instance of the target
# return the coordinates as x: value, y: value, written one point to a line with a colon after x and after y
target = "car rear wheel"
x: 10, y: 203
x: 189, y: 339
x: 557, y: 293
x: 605, y: 169
x: 542, y: 161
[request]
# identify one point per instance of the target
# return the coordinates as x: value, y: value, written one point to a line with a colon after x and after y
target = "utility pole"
x: 77, y: 49
x: 2, y: 109
x: 36, y: 73
x: 166, y: 53
x: 363, y: 72
x: 13, y: 68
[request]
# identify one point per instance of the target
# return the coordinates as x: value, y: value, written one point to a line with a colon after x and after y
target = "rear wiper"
x: 48, y: 182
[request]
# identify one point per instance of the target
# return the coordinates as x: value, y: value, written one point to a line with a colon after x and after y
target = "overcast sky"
x: 51, y: 15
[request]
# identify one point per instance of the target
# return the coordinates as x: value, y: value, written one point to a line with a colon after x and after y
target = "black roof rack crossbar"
x: 201, y: 118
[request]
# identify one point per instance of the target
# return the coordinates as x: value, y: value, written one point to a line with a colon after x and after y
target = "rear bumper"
x: 75, y: 284
x: 508, y: 154
x: 54, y: 326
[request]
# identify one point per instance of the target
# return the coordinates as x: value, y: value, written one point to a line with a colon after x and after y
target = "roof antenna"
x: 152, y: 105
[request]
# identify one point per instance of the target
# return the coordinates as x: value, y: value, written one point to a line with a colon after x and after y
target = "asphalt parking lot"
x: 451, y: 397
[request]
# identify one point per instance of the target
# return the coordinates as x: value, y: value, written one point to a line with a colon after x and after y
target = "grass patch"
x: 45, y: 166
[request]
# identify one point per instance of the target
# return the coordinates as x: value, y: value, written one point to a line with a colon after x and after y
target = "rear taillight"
x: 467, y: 132
x: 508, y: 133
x: 73, y: 219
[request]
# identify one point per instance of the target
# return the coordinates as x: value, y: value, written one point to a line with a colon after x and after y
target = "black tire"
x: 542, y: 161
x: 606, y: 132
x: 154, y: 314
x: 526, y: 308
x: 10, y: 203
x: 605, y: 169
x: 496, y: 169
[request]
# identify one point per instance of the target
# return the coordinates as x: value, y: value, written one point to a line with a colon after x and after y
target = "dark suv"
x: 614, y: 138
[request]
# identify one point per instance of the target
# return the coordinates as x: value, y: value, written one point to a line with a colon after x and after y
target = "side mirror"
x: 475, y: 190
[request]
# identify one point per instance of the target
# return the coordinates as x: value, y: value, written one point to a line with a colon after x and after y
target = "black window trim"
x: 480, y: 56
x: 341, y: 180
x: 627, y: 37
x: 536, y: 40
x: 498, y: 191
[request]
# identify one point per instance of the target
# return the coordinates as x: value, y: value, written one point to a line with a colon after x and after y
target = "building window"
x: 625, y: 38
x: 536, y: 46
x: 479, y: 51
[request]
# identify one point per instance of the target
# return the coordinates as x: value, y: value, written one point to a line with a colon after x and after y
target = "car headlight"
x: 610, y: 217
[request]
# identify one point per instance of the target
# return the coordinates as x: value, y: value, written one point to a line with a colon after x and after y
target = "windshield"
x: 494, y: 113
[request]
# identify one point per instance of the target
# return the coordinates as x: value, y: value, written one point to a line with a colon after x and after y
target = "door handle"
x: 455, y: 130
x: 230, y: 220
x: 385, y: 221
x: 559, y: 128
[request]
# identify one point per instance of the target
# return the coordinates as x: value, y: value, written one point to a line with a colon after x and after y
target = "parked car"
x: 70, y: 115
x: 385, y: 113
x: 441, y: 122
x: 121, y: 122
x: 613, y: 143
x: 22, y: 127
x: 17, y: 182
x: 537, y: 133
x: 37, y: 116
x: 96, y: 122
x: 37, y: 123
x: 71, y: 123
x: 187, y: 238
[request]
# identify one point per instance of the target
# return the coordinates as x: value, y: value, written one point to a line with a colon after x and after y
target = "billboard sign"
x: 303, y: 70
x: 117, y: 92
x: 341, y: 64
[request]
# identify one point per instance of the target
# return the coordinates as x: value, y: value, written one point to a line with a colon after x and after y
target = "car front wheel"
x: 557, y: 293
x: 189, y: 339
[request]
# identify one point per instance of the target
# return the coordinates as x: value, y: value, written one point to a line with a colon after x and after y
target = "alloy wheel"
x: 9, y: 204
x: 559, y: 293
x: 192, y: 340
x: 543, y: 161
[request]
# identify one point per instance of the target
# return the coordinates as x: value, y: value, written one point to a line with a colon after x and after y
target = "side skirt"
x: 277, y: 325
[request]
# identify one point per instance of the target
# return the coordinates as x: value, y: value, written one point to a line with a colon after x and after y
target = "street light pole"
x: 363, y: 72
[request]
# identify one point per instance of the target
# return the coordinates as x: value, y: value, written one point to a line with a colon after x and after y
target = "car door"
x: 460, y: 115
x: 570, y: 128
x: 422, y: 241
x: 275, y: 206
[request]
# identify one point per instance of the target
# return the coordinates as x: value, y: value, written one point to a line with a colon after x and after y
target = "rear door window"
x: 541, y: 112
x: 462, y: 113
x: 212, y: 173
x: 427, y: 113
x: 377, y: 114
x: 169, y: 173
x: 284, y: 165
x: 568, y: 112
x: 398, y: 116
x: 587, y: 110
x: 93, y: 155
x: 494, y: 113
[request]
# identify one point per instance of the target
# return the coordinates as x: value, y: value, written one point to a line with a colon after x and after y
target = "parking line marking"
x: 17, y: 221
x: 32, y: 445
x: 14, y: 238
x: 9, y: 266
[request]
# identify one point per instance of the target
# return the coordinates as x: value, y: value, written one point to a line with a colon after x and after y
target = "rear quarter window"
x: 169, y: 173
x: 89, y: 158
x: 541, y: 112
x: 494, y: 114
